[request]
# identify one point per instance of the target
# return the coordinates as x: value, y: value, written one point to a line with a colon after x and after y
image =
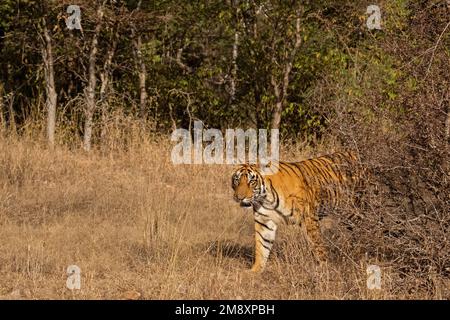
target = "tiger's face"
x: 248, y: 186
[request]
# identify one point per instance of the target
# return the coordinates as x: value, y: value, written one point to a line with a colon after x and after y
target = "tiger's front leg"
x: 265, y: 231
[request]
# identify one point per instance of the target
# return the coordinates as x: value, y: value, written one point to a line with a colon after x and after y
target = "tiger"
x: 293, y: 195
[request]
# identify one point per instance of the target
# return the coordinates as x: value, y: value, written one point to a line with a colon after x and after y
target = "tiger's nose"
x: 239, y: 197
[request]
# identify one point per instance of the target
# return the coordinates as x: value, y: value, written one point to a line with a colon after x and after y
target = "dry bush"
x: 402, y: 140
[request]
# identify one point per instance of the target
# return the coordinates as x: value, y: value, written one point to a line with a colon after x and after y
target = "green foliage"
x: 188, y: 53
x: 6, y: 14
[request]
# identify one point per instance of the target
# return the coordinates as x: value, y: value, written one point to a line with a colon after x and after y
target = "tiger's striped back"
x: 323, y: 180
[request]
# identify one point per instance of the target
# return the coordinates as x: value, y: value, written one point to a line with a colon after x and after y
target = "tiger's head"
x: 248, y: 185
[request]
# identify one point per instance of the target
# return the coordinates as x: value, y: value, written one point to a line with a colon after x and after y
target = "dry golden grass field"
x: 140, y: 227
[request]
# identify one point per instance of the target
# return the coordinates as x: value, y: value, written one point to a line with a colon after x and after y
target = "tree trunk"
x: 50, y: 89
x: 2, y: 117
x: 142, y: 79
x: 281, y: 87
x: 105, y: 79
x: 11, y: 113
x: 141, y: 68
x: 235, y: 68
x: 276, y: 115
x: 92, y: 83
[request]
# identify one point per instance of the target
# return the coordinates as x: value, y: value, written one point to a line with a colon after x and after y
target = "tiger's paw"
x: 256, y: 269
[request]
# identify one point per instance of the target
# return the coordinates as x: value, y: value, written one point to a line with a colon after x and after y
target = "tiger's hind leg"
x: 310, y: 221
x: 315, y: 236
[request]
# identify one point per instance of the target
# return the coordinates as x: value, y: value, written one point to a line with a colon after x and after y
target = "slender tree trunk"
x: 235, y: 54
x: 92, y: 83
x: 50, y: 89
x: 11, y: 113
x: 234, y: 71
x: 105, y: 79
x: 281, y: 87
x: 2, y: 116
x: 276, y: 116
x: 140, y: 67
x: 142, y: 79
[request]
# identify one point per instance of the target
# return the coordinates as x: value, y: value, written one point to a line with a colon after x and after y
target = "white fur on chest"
x: 277, y: 216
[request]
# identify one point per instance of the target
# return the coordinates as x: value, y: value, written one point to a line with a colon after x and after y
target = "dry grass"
x: 135, y: 223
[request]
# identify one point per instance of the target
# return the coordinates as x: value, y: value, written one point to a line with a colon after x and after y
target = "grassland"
x: 140, y: 227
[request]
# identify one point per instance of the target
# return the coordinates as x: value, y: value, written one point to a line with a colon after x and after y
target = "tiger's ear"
x: 268, y: 168
x: 264, y: 164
